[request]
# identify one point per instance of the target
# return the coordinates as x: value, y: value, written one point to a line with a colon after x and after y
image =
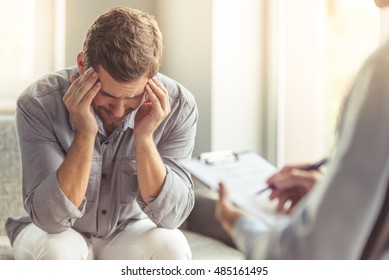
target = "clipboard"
x: 244, y: 174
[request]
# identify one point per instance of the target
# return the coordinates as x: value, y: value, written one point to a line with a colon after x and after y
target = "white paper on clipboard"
x: 244, y: 176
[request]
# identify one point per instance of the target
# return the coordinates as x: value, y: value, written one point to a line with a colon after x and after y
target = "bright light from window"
x: 326, y: 42
x: 353, y: 29
x: 30, y: 31
x: 17, y: 23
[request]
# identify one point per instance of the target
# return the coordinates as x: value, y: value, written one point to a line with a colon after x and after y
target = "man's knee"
x: 67, y: 245
x: 171, y: 244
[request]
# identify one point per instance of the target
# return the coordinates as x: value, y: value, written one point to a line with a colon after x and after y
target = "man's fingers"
x: 160, y: 94
x: 86, y: 85
x: 73, y: 77
x: 88, y: 73
x: 82, y: 86
x: 88, y: 97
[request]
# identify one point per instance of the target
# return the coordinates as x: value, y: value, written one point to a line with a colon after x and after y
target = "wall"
x: 303, y: 84
x: 237, y: 79
x: 187, y: 30
x: 215, y: 49
x: 80, y: 14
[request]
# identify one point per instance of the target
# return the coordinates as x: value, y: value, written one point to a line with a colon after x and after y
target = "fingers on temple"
x: 83, y: 88
x: 87, y: 82
x: 160, y: 93
x: 88, y: 97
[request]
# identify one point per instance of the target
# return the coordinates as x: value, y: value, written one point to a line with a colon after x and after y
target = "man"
x: 337, y: 217
x: 99, y: 147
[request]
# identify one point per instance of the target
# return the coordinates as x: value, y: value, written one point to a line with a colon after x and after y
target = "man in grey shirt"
x: 336, y: 219
x: 99, y: 147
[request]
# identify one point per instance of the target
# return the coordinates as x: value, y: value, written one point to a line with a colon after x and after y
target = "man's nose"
x: 118, y: 108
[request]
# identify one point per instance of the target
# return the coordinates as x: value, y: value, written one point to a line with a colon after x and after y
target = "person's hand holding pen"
x: 293, y: 182
x: 289, y: 185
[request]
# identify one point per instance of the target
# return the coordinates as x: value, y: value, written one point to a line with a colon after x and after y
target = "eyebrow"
x: 112, y: 96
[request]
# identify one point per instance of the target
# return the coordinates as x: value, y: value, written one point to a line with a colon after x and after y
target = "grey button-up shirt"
x: 112, y: 200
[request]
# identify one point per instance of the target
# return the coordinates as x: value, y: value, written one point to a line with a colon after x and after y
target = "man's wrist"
x: 85, y: 136
x: 144, y: 142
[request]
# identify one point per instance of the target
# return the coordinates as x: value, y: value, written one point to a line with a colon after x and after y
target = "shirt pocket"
x: 127, y: 180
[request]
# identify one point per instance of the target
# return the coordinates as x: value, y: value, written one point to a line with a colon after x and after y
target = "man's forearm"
x: 151, y: 171
x: 73, y: 174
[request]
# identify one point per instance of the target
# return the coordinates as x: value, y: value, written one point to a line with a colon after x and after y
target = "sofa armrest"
x: 202, y: 219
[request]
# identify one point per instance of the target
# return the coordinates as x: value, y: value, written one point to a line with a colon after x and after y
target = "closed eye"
x: 106, y: 94
x: 134, y: 98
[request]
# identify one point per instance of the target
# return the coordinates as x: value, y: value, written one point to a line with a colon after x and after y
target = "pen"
x: 311, y: 167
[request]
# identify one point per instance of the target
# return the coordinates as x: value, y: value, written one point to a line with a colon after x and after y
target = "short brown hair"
x: 126, y: 42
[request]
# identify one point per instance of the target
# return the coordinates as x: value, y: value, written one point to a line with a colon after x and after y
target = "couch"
x: 205, y: 236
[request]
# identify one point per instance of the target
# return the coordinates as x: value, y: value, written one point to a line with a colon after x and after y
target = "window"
x: 350, y: 41
x: 324, y: 43
x: 28, y: 31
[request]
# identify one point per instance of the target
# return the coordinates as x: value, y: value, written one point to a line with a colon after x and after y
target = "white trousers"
x: 138, y: 241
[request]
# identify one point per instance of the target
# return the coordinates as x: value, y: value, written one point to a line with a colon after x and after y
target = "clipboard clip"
x: 218, y: 157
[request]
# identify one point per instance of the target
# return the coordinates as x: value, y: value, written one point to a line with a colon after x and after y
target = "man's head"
x: 127, y: 43
x: 124, y: 46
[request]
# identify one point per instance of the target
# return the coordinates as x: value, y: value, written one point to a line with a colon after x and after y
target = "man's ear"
x: 81, y: 63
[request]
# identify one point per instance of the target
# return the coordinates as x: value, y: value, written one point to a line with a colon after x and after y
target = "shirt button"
x: 104, y: 176
x: 104, y: 212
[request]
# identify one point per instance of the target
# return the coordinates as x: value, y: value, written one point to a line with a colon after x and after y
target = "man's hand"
x: 292, y: 183
x: 73, y: 174
x: 226, y: 212
x: 153, y: 111
x: 78, y: 100
x: 150, y: 167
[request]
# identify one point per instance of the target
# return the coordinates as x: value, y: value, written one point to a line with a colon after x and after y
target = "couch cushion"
x: 5, y: 249
x: 206, y: 248
x: 10, y: 180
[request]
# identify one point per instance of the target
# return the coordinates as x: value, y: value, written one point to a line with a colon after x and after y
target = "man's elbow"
x: 177, y: 217
x: 50, y: 225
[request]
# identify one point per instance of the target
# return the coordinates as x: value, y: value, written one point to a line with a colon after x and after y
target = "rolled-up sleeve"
x: 41, y: 156
x: 176, y: 199
x: 173, y: 204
